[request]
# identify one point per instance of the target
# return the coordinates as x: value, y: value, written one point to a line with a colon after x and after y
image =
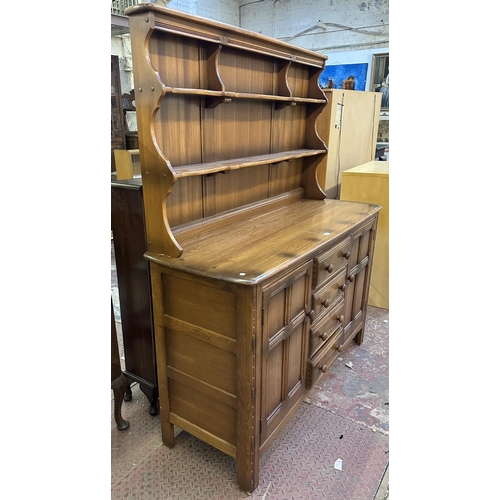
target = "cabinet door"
x: 284, y: 349
x: 358, y: 280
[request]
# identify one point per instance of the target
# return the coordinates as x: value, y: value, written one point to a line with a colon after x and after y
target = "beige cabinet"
x: 349, y: 126
x: 370, y: 183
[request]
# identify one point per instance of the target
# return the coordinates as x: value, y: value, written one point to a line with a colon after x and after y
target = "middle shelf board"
x: 241, y: 95
x: 249, y: 161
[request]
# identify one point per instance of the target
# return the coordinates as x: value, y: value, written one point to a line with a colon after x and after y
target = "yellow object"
x: 369, y: 183
x: 127, y: 163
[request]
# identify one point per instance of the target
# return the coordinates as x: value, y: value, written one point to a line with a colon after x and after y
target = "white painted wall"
x: 225, y: 11
x: 347, y: 31
x: 323, y: 26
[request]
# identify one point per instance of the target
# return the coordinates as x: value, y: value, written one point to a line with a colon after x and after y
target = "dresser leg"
x: 167, y: 433
x: 128, y: 394
x: 152, y: 395
x: 360, y: 337
x: 153, y: 407
x: 119, y: 386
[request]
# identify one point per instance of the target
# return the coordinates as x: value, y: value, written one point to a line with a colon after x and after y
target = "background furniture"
x: 134, y: 289
x: 118, y: 140
x: 119, y: 382
x: 349, y: 126
x: 127, y: 163
x: 258, y: 281
x: 383, y: 128
x: 370, y: 183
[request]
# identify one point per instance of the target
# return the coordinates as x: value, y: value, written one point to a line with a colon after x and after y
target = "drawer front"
x: 320, y: 363
x: 326, y: 297
x: 329, y: 262
x: 323, y: 331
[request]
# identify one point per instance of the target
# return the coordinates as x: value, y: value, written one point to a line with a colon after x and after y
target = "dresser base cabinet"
x: 238, y: 350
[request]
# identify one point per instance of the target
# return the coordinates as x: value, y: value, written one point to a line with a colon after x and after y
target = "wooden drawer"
x: 321, y: 332
x: 329, y: 262
x: 327, y: 296
x: 320, y: 363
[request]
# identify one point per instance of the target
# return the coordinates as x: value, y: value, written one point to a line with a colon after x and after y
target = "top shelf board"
x: 180, y: 23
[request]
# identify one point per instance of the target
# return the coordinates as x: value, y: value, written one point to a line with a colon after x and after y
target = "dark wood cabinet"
x: 134, y: 288
x: 258, y: 281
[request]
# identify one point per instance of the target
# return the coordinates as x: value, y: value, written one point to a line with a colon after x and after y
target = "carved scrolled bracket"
x: 158, y: 175
x: 310, y: 179
x: 283, y: 88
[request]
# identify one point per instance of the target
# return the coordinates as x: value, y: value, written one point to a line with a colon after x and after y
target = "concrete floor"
x: 346, y: 416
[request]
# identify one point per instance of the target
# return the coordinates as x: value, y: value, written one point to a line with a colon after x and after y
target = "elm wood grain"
x: 358, y: 279
x: 229, y: 95
x: 195, y: 323
x: 132, y: 273
x: 191, y: 26
x: 199, y: 316
x: 234, y: 130
x: 240, y: 213
x: 324, y: 358
x: 237, y: 163
x: 268, y: 242
x: 284, y: 345
x: 236, y: 224
x: 329, y: 294
x: 329, y: 325
x: 200, y: 308
x: 330, y: 262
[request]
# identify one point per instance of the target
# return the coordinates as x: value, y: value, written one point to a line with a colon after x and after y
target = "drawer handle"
x: 340, y: 318
x: 343, y: 288
x: 351, y: 277
x: 347, y: 255
x: 311, y: 314
x: 339, y: 348
x: 326, y: 303
x: 330, y: 268
x: 323, y: 336
x: 323, y: 368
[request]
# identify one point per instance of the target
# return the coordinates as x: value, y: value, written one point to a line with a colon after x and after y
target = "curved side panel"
x: 312, y: 187
x: 157, y: 173
x: 283, y: 87
x: 214, y: 79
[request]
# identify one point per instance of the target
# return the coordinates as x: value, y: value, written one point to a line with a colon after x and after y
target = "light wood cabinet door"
x: 284, y: 349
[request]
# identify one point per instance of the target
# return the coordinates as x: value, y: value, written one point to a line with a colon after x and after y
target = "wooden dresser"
x: 258, y: 281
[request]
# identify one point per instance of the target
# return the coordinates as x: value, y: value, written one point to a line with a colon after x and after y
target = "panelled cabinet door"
x: 358, y: 278
x: 284, y: 349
